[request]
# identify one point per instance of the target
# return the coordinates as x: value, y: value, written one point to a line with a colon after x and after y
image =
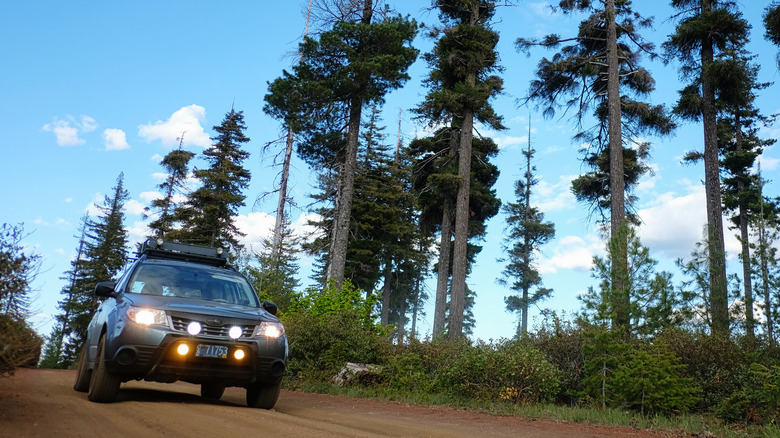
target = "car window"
x: 192, y: 282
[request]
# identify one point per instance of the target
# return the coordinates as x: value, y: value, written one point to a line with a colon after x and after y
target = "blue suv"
x: 180, y: 312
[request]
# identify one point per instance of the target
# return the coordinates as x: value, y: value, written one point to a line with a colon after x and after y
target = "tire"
x: 263, y: 395
x: 83, y: 374
x: 212, y: 391
x: 103, y: 386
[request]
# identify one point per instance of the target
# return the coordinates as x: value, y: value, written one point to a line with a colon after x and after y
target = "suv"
x: 181, y: 313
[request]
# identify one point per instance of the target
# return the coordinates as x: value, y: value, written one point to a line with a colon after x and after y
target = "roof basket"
x: 160, y: 249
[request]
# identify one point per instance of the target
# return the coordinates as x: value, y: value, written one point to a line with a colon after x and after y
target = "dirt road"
x: 42, y: 403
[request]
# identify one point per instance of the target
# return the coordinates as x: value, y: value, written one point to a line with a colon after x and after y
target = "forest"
x: 390, y: 218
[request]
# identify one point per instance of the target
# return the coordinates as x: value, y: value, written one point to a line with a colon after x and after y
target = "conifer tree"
x: 599, y: 70
x: 18, y: 269
x: 351, y: 65
x: 461, y: 83
x: 175, y: 164
x: 707, y: 28
x: 207, y: 217
x: 772, y: 25
x: 104, y: 254
x: 274, y: 278
x: 527, y: 233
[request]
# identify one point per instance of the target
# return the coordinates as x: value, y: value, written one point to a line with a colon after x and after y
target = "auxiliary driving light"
x: 235, y: 332
x: 239, y: 354
x: 183, y: 349
x: 194, y: 328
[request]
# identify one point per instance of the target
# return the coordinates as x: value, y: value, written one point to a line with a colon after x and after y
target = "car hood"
x: 200, y: 307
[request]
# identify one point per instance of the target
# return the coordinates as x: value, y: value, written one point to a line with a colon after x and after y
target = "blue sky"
x: 92, y: 89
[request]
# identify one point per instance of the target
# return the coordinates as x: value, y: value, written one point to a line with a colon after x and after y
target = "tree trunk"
x: 277, y: 242
x: 620, y: 287
x: 462, y: 214
x: 443, y: 280
x: 719, y: 310
x: 750, y: 321
x: 338, y: 247
x: 384, y: 318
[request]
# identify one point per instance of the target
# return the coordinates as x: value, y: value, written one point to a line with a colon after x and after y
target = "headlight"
x: 140, y: 315
x: 270, y: 329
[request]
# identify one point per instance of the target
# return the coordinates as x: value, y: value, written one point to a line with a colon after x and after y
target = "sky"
x: 92, y: 89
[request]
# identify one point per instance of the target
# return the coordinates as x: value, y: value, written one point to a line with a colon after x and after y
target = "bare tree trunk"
x: 526, y: 243
x: 617, y: 188
x: 717, y: 253
x: 385, y: 315
x: 277, y: 242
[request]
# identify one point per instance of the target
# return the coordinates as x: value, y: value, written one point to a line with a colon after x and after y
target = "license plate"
x: 217, y: 351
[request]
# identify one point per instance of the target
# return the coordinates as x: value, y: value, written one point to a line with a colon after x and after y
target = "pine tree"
x: 707, y: 27
x: 766, y: 259
x: 175, y: 164
x: 104, y: 255
x: 461, y: 83
x: 354, y: 64
x: 772, y: 25
x: 207, y: 217
x: 527, y: 233
x: 599, y: 70
x: 275, y: 277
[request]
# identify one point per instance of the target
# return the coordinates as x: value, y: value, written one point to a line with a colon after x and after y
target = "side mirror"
x: 106, y: 289
x: 270, y: 307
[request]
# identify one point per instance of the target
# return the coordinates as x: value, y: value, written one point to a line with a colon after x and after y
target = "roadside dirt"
x: 42, y: 403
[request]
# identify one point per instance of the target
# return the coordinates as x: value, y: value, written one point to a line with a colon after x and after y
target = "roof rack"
x: 160, y: 249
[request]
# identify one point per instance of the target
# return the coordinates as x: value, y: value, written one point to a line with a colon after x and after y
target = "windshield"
x: 193, y: 282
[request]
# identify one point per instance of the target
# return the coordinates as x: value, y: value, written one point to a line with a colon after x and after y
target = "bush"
x: 758, y: 401
x: 562, y: 344
x: 509, y: 370
x: 20, y: 345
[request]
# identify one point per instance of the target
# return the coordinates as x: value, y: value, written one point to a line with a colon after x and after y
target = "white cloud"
x: 571, y: 252
x: 674, y: 223
x: 768, y: 163
x: 256, y: 226
x: 157, y: 158
x: 67, y: 131
x: 150, y: 196
x: 555, y: 197
x: 115, y: 139
x: 66, y: 135
x: 87, y: 124
x: 186, y: 120
x: 134, y: 207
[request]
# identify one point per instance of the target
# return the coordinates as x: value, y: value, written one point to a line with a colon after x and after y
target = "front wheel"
x: 103, y: 386
x: 212, y: 391
x: 263, y: 395
x: 83, y: 374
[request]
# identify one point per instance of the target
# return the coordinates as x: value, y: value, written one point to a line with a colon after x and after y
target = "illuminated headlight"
x: 270, y: 329
x: 235, y: 332
x: 239, y: 354
x: 144, y: 316
x: 194, y: 328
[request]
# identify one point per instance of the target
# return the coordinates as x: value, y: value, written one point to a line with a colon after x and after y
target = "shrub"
x: 20, y: 345
x: 758, y: 401
x: 509, y: 370
x: 562, y: 343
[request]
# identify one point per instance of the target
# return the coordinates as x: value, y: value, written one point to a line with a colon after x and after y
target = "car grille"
x: 218, y: 331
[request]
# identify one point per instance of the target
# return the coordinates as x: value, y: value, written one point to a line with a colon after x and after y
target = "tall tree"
x: 707, y: 27
x: 104, y: 249
x: 600, y: 70
x: 176, y: 164
x: 527, y: 233
x: 772, y: 25
x: 766, y: 258
x: 207, y: 217
x: 461, y: 83
x: 353, y: 64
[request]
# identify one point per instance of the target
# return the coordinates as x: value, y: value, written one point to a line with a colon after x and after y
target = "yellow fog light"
x: 239, y: 354
x: 183, y: 349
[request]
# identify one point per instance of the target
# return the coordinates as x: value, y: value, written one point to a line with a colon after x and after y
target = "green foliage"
x: 18, y: 268
x: 757, y: 401
x: 175, y: 164
x: 562, y: 343
x: 328, y: 328
x: 207, y: 217
x: 511, y: 371
x: 650, y: 381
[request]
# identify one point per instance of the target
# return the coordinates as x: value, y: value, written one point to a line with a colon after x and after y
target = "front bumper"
x: 151, y: 353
